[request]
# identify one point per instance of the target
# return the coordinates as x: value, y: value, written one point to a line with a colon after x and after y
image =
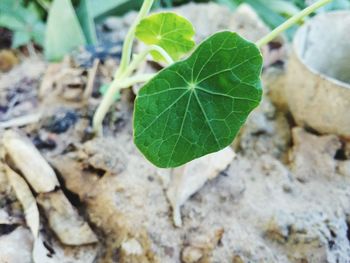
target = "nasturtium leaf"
x: 197, y: 106
x: 170, y: 31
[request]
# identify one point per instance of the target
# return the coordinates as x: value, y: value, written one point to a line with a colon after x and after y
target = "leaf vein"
x: 160, y: 114
x: 224, y: 95
x: 206, y: 118
x: 181, y: 129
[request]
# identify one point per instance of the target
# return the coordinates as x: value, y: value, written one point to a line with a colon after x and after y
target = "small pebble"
x: 191, y: 255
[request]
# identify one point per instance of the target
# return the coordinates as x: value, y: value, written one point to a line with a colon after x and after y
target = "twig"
x: 21, y: 121
x: 91, y: 80
x: 31, y: 49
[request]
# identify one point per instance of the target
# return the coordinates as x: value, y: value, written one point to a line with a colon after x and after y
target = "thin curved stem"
x: 127, y: 47
x: 139, y: 58
x: 141, y: 78
x: 290, y: 22
x: 108, y: 99
x: 124, y: 69
x: 117, y: 84
x: 164, y: 54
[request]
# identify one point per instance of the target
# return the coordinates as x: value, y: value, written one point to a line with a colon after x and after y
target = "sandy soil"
x: 284, y: 197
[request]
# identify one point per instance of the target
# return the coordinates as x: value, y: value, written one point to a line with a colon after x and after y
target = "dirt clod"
x: 61, y: 122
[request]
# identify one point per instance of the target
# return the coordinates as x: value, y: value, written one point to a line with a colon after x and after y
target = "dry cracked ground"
x: 284, y: 197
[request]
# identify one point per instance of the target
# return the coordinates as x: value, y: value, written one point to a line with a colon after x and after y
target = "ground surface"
x: 284, y: 198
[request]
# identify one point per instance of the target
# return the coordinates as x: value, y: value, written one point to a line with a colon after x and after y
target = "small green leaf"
x: 63, y: 32
x: 197, y: 106
x: 170, y: 31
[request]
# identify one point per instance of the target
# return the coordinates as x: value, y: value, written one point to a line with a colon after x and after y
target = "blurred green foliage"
x: 275, y: 12
x: 63, y: 33
x: 171, y: 3
x: 26, y: 22
x: 28, y: 19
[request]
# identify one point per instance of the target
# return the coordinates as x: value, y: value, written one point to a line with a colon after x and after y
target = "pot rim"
x: 337, y: 82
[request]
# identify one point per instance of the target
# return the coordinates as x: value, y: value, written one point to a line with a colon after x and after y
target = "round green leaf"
x: 197, y: 106
x: 170, y: 31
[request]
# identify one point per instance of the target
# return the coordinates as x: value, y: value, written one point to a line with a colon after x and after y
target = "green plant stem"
x: 119, y: 82
x: 164, y: 54
x: 127, y: 47
x: 139, y: 58
x: 108, y: 100
x: 124, y: 69
x: 290, y: 22
x: 128, y: 82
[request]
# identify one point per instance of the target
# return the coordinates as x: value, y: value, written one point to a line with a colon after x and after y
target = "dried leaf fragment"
x: 30, y: 162
x: 189, y: 178
x: 26, y: 198
x: 64, y: 220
